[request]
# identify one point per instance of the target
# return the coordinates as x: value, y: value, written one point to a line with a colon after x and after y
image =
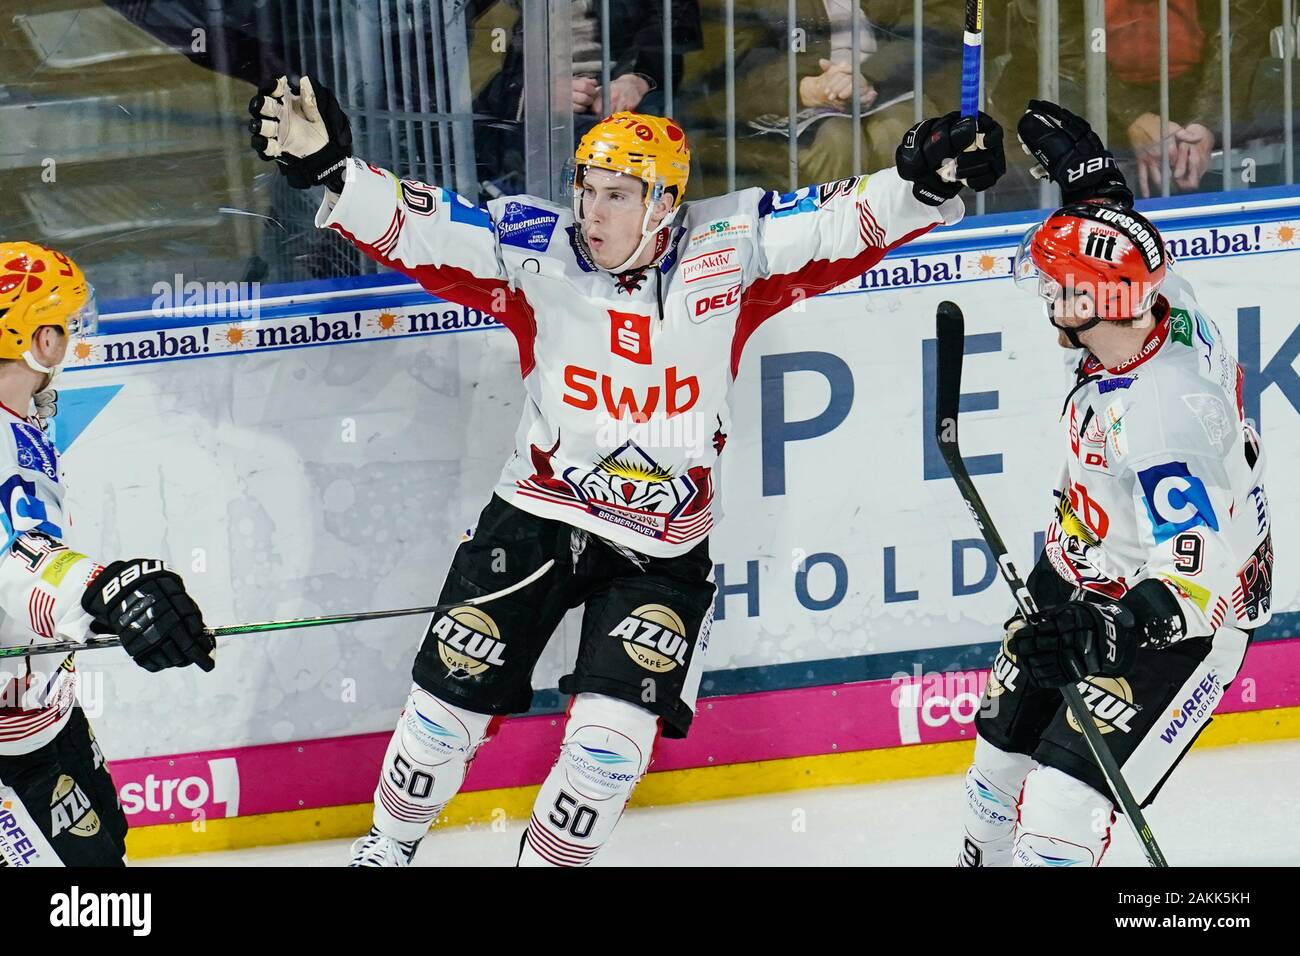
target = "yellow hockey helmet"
x: 39, y: 287
x: 651, y: 148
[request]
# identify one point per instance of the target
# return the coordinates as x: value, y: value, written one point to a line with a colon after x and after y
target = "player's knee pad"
x: 1063, y: 821
x: 607, y: 748
x: 425, y: 763
x: 992, y: 787
x: 439, y: 733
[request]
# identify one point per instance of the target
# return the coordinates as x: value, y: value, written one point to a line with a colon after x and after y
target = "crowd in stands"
x: 820, y: 42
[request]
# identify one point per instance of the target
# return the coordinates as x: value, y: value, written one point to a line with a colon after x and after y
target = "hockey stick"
x: 951, y: 333
x: 972, y: 49
x: 233, y: 630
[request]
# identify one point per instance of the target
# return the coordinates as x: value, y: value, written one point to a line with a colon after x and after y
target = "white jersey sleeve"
x: 413, y: 227
x: 826, y: 235
x: 41, y: 579
x: 1203, y: 538
x: 41, y: 584
x: 1179, y: 501
x: 438, y: 238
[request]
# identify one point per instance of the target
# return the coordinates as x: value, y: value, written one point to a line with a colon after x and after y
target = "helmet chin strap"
x: 1072, y: 331
x: 647, y: 233
x: 49, y: 373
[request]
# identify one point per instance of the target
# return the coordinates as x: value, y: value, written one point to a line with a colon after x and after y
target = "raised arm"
x: 819, y: 237
x: 41, y: 579
x: 442, y: 240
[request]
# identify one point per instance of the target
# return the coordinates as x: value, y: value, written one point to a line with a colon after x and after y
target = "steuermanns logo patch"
x: 655, y: 637
x: 469, y: 641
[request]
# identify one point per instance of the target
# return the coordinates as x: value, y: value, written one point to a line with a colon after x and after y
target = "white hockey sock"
x: 425, y: 764
x: 1063, y: 821
x: 992, y: 787
x: 607, y: 746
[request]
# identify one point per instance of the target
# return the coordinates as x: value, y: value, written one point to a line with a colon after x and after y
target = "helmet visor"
x: 1023, y: 270
x: 1026, y: 273
x: 85, y: 321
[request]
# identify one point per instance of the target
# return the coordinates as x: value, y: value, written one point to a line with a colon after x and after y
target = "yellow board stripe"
x: 657, y: 789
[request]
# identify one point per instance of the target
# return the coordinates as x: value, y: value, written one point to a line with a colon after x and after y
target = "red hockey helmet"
x: 1113, y: 255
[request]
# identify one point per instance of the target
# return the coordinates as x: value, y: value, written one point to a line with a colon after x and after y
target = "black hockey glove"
x: 1078, y: 639
x: 305, y: 132
x: 144, y: 603
x: 1071, y: 154
x: 1074, y: 640
x: 933, y: 145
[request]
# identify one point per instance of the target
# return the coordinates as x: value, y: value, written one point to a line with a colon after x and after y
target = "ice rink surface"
x: 1224, y: 806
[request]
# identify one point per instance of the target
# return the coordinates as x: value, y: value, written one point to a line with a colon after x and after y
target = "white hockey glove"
x: 305, y: 132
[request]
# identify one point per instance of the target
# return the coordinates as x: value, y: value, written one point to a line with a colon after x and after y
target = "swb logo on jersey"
x: 653, y: 636
x: 1110, y: 699
x: 629, y: 336
x: 469, y: 642
x: 70, y: 810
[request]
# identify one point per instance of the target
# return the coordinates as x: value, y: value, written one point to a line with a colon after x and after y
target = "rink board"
x: 743, y: 744
x: 325, y: 452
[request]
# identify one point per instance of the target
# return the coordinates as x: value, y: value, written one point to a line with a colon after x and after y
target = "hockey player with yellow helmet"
x: 630, y: 308
x: 41, y: 288
x: 650, y: 149
x: 49, y: 592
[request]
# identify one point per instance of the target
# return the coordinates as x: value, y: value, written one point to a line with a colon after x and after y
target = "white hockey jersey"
x: 1163, y: 476
x: 41, y: 583
x: 628, y: 377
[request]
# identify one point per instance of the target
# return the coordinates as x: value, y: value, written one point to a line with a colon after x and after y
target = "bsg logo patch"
x: 653, y: 636
x: 469, y: 641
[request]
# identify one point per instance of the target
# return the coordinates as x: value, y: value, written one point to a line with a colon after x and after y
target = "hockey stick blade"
x: 261, y: 627
x: 950, y: 332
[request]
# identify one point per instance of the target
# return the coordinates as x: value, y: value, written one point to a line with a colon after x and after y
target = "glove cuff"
x: 113, y: 583
x: 1157, y: 617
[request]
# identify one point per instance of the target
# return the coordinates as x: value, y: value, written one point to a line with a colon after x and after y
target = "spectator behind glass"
x: 1133, y: 78
x: 824, y: 74
x: 636, y: 75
